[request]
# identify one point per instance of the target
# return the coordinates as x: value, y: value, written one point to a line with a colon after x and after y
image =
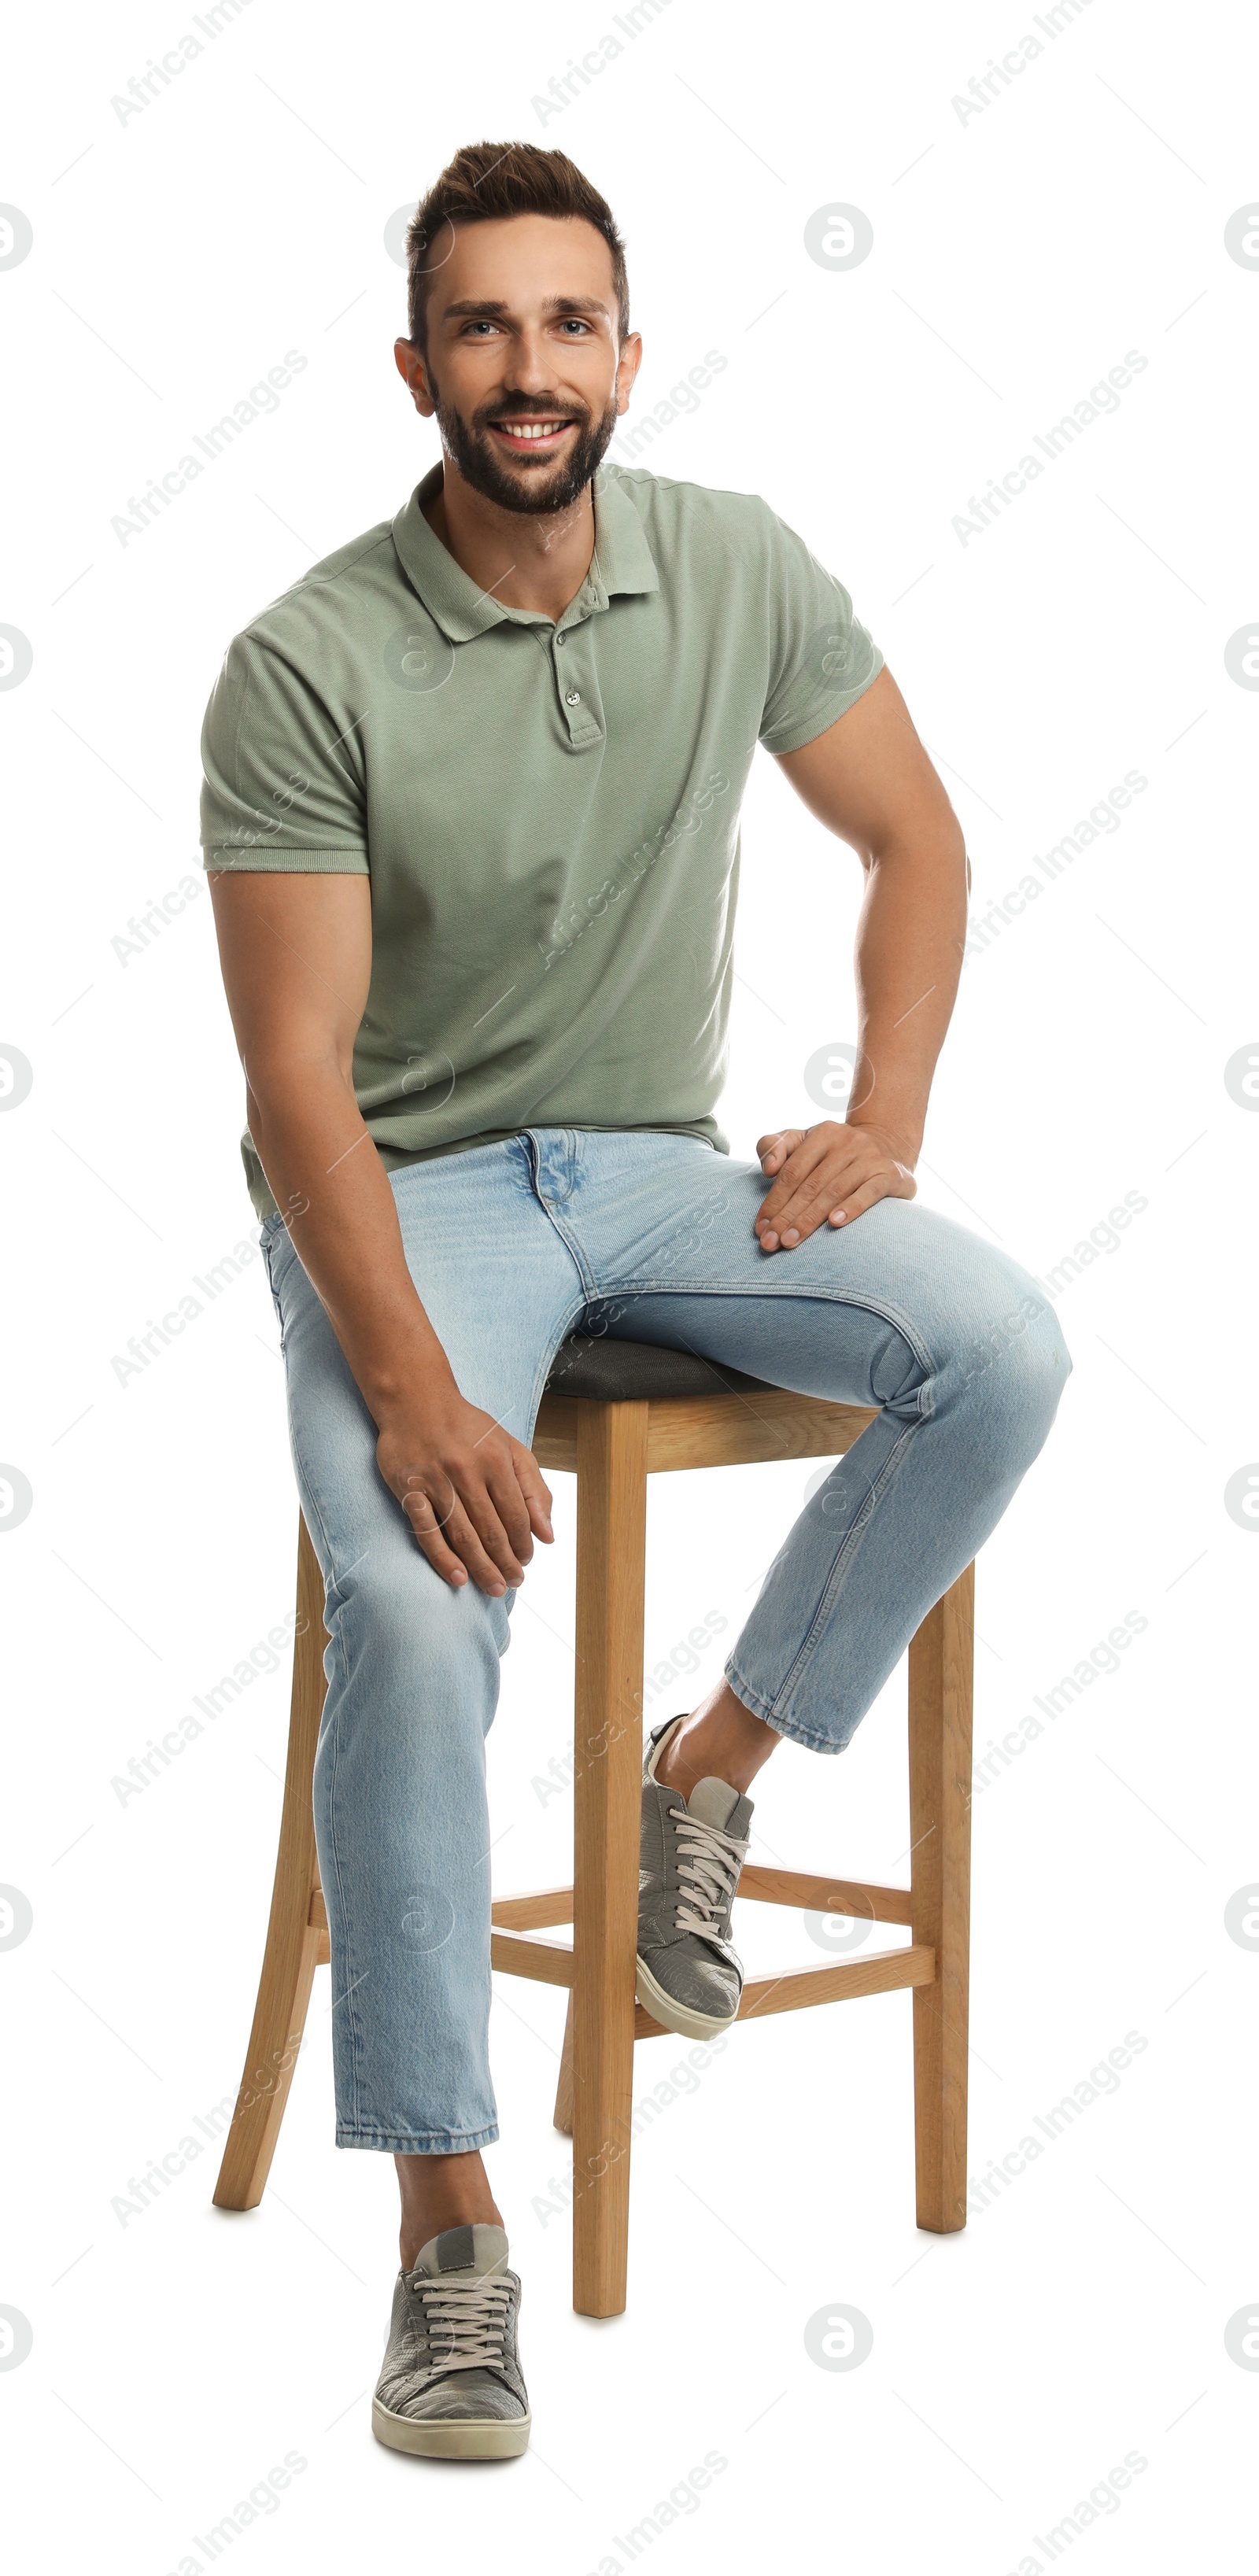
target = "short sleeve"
x: 283, y: 778
x: 822, y: 659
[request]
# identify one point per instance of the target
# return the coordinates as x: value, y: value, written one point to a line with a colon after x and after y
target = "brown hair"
x: 487, y: 181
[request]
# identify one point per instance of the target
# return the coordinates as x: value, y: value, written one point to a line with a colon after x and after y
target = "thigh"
x: 853, y: 1313
x: 500, y: 1290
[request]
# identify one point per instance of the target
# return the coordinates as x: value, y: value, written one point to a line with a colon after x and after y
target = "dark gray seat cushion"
x: 630, y: 1372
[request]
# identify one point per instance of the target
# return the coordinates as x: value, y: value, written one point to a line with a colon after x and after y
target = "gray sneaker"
x: 690, y: 1855
x: 451, y: 2386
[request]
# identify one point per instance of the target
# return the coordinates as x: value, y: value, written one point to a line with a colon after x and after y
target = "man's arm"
x: 296, y: 953
x: 870, y: 781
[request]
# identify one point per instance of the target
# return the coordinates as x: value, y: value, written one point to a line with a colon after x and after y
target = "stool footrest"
x: 525, y: 1913
x: 883, y: 1972
x: 825, y: 1895
x: 801, y: 1888
x: 518, y: 1954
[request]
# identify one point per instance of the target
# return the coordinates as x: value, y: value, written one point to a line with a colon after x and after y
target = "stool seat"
x: 611, y: 1372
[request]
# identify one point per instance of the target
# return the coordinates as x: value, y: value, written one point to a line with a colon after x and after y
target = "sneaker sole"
x: 674, y: 2016
x: 452, y: 2437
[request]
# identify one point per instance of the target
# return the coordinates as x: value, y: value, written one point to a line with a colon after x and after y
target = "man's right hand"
x: 475, y: 1498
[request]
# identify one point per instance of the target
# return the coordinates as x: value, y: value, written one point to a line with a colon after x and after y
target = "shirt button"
x: 560, y: 639
x: 572, y: 697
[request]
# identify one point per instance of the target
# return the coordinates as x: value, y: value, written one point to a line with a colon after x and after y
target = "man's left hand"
x: 830, y: 1174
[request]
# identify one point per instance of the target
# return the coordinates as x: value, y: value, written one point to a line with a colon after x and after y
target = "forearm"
x: 907, y: 965
x: 326, y: 1175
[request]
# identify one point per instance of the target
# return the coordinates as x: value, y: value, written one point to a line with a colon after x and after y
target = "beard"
x: 540, y: 490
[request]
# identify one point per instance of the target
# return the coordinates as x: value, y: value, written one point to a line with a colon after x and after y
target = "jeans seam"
x: 352, y: 2027
x: 402, y: 2142
x: 866, y: 1305
x: 353, y: 2036
x: 789, y: 1727
x: 841, y: 1564
x: 546, y: 1365
x: 589, y: 1297
x: 268, y: 1244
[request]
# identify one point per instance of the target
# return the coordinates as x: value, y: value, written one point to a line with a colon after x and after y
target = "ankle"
x: 676, y: 1767
x: 440, y: 2192
x: 728, y: 1744
x: 415, y: 2233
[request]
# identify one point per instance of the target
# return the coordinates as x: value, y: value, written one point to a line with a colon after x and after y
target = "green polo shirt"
x: 548, y: 813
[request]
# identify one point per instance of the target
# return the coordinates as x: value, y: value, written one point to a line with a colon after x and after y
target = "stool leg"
x: 941, y: 1659
x: 611, y: 1554
x: 294, y: 1944
x: 564, y: 2088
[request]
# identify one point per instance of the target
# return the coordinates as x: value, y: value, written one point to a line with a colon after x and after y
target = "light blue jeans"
x: 648, y: 1238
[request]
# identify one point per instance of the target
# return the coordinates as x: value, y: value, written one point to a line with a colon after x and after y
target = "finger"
x: 870, y: 1192
x: 829, y: 1187
x: 794, y: 1174
x: 476, y: 1535
x: 797, y: 1182
x: 520, y: 1497
x: 428, y: 1535
x: 535, y: 1490
x: 450, y: 1538
x: 805, y: 1216
x: 780, y: 1149
x: 483, y: 1518
x: 773, y: 1149
x: 508, y: 1503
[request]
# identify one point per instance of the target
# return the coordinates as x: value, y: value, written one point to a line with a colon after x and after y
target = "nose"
x: 530, y: 366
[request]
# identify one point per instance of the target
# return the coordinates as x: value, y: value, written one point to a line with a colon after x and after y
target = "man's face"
x: 524, y: 369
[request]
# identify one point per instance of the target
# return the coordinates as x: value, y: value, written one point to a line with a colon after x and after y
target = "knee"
x: 391, y: 1613
x: 1028, y: 1369
x: 1043, y: 1367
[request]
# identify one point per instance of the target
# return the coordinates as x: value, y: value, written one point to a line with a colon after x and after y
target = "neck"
x: 521, y: 560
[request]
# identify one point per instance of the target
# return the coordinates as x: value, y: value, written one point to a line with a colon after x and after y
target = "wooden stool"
x: 615, y: 1413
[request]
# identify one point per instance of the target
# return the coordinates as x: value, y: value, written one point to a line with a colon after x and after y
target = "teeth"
x: 532, y: 428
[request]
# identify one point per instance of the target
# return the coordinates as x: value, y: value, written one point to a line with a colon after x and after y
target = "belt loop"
x: 533, y: 1148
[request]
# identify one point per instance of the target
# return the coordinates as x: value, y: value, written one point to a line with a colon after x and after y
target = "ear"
x: 627, y: 367
x: 414, y: 373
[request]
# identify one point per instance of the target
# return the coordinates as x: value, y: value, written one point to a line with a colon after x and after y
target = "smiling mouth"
x: 531, y: 437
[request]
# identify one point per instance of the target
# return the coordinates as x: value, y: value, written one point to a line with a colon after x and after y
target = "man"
x: 471, y: 802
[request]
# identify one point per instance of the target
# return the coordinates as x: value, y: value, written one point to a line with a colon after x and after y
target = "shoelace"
x: 470, y: 2316
x: 709, y: 1862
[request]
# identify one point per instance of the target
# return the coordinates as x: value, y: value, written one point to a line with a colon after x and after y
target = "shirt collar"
x: 622, y: 561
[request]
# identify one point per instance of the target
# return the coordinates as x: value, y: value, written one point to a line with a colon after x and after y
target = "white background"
x: 1017, y: 257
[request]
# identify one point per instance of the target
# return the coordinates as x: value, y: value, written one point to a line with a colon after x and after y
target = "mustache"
x: 529, y: 407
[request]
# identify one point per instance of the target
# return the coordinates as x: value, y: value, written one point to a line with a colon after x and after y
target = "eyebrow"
x: 492, y: 308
